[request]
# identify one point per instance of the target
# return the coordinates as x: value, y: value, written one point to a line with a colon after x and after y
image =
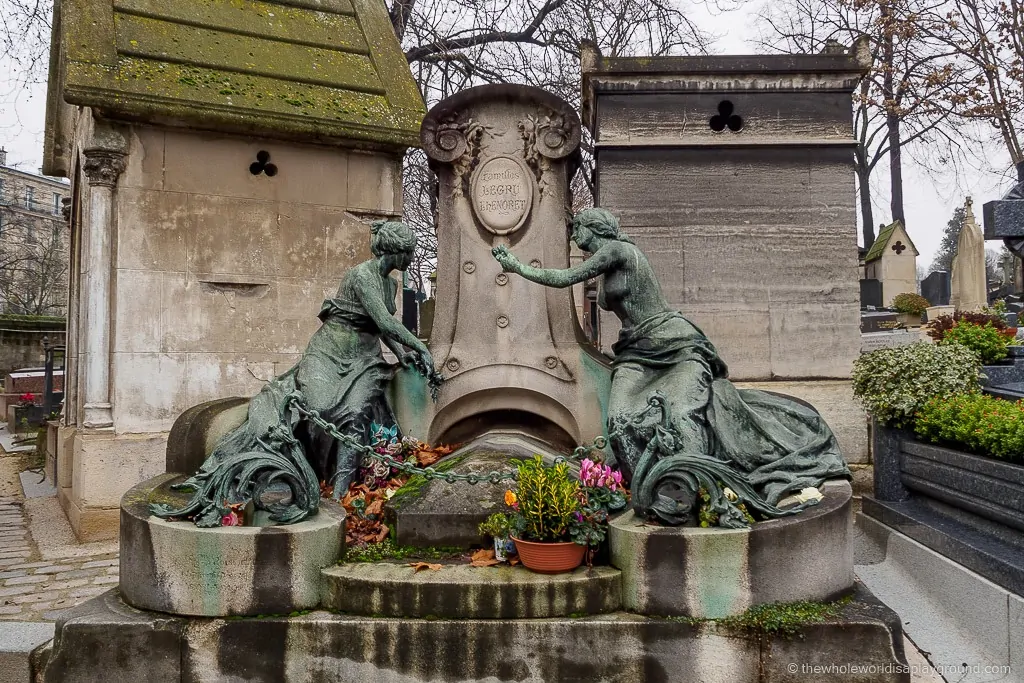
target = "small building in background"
x: 892, y: 261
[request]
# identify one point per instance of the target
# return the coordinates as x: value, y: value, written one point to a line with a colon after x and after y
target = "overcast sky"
x: 929, y: 201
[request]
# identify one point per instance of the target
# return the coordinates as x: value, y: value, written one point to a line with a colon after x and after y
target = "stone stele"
x: 510, y: 351
x: 968, y: 278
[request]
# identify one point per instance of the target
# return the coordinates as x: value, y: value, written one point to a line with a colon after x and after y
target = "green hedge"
x: 48, y: 323
x: 894, y: 384
x: 977, y: 423
x: 985, y: 340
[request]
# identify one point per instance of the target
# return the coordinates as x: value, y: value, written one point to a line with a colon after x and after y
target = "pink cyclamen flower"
x: 230, y: 519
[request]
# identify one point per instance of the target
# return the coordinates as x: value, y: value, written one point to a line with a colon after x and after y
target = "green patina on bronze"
x: 342, y: 376
x: 329, y: 71
x: 675, y: 422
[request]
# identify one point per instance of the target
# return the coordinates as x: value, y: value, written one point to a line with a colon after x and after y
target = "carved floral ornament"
x: 546, y: 136
x: 103, y: 167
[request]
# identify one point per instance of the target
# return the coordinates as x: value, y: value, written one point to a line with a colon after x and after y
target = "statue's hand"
x: 509, y: 262
x: 428, y: 362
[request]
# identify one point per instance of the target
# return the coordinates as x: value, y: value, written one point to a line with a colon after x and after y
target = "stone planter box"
x: 933, y: 312
x: 967, y: 507
x: 909, y: 319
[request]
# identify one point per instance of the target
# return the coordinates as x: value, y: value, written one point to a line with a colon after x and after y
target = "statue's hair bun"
x: 377, y: 225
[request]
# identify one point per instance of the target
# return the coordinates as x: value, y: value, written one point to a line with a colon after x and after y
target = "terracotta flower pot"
x: 550, y: 558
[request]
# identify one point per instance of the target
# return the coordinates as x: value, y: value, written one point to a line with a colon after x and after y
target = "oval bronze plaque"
x: 502, y: 192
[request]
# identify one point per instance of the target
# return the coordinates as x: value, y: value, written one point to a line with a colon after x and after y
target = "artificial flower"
x: 510, y: 498
x: 230, y: 519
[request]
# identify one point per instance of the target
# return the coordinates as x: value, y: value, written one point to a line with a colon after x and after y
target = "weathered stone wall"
x: 751, y: 228
x: 21, y: 341
x: 757, y: 247
x: 217, y: 278
x: 220, y: 273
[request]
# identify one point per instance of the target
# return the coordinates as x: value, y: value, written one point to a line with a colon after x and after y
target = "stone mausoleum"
x: 734, y: 175
x: 223, y: 157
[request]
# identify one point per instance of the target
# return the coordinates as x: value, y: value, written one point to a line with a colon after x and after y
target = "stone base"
x: 714, y: 573
x: 178, y: 568
x: 96, y: 467
x: 89, y: 524
x: 105, y: 641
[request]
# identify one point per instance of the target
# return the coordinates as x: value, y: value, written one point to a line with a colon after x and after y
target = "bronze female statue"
x: 342, y: 376
x: 675, y: 423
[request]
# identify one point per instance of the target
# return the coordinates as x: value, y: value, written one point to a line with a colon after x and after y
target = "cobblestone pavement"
x: 33, y: 589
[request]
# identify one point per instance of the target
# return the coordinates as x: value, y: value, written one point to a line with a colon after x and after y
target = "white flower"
x: 730, y: 494
x: 809, y: 493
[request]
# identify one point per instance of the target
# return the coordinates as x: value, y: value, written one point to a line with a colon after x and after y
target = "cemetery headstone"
x: 968, y: 283
x: 936, y: 288
x: 871, y: 293
x: 878, y: 321
x: 503, y: 155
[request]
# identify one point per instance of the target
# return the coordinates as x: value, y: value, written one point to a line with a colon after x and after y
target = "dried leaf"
x: 513, y: 561
x: 374, y: 508
x: 420, y: 566
x: 382, y: 534
x: 483, y: 558
x: 483, y: 554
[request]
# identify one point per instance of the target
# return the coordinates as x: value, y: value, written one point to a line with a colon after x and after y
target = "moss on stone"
x: 388, y: 550
x: 301, y: 72
x: 778, y: 618
x: 414, y: 487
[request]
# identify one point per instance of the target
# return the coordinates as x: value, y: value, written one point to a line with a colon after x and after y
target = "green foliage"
x: 894, y: 384
x: 974, y: 422
x: 590, y: 528
x: 389, y: 550
x: 495, y: 526
x: 988, y: 343
x: 998, y: 307
x: 911, y: 304
x: 547, y: 500
x: 942, y: 324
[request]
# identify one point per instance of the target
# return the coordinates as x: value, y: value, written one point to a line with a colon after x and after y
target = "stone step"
x: 105, y: 641
x: 466, y: 592
x: 18, y: 639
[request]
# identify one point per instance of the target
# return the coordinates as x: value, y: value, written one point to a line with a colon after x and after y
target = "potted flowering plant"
x: 556, y: 518
x: 543, y: 511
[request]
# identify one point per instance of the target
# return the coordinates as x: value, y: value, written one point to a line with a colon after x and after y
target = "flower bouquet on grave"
x: 498, y: 528
x: 601, y: 493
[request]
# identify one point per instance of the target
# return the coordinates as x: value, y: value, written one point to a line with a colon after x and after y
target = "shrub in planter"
x: 942, y: 324
x: 974, y: 422
x: 985, y: 340
x: 911, y: 304
x: 894, y: 384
